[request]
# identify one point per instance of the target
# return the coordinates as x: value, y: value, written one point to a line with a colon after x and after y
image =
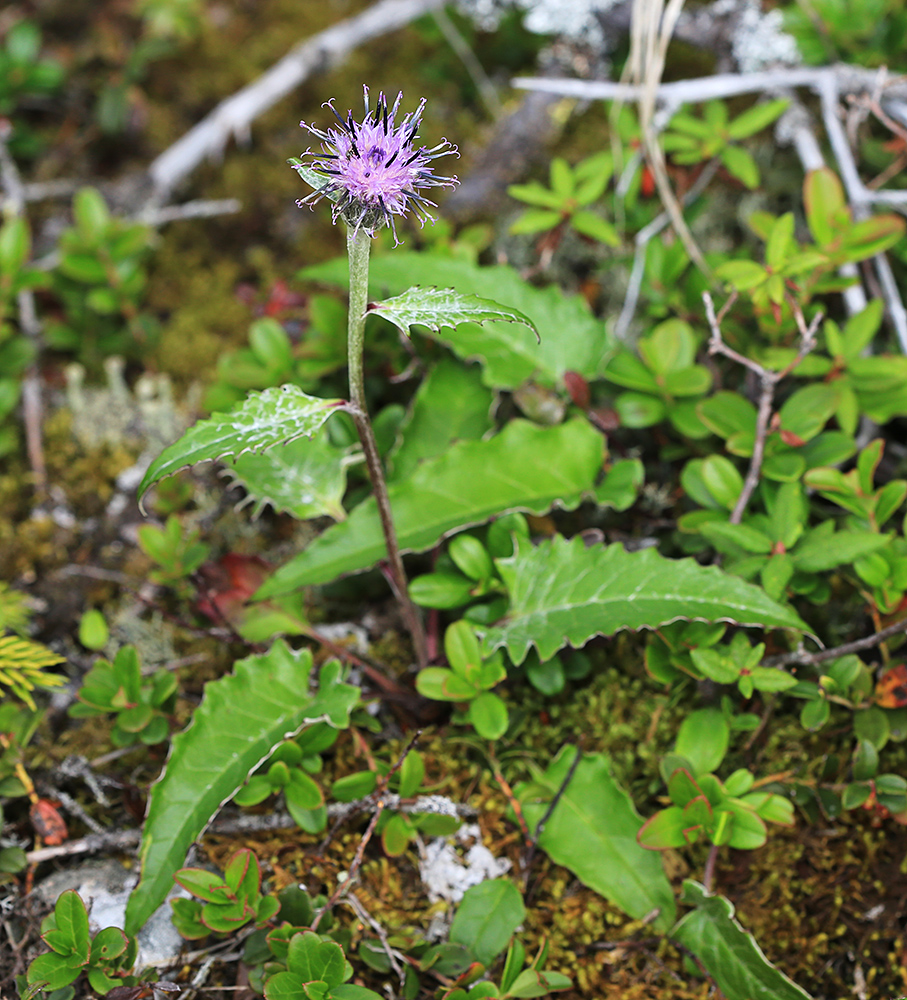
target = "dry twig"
x: 379, y: 800
x: 822, y: 655
x: 529, y: 855
x: 768, y: 380
x: 234, y: 116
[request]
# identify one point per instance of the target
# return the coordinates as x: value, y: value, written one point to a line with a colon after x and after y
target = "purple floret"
x: 375, y: 167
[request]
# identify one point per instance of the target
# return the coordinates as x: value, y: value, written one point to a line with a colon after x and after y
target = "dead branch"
x: 857, y: 646
x: 234, y: 116
x: 768, y: 381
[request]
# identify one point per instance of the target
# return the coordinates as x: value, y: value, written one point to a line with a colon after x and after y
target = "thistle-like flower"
x: 375, y: 167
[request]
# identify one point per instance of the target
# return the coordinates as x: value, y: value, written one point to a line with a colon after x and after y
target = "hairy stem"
x: 358, y: 246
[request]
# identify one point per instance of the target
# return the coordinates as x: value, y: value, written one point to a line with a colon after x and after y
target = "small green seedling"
x: 738, y: 663
x: 466, y: 574
x: 223, y: 905
x: 107, y: 958
x: 724, y: 813
x: 100, y: 283
x: 93, y: 631
x: 519, y: 978
x: 872, y: 384
x: 802, y: 271
x: 690, y: 139
x: 567, y: 201
x: 266, y: 948
x: 663, y: 380
x: 395, y: 827
x: 289, y: 770
x: 855, y: 490
x: 469, y: 678
x: 177, y: 558
x: 141, y: 705
x: 316, y: 970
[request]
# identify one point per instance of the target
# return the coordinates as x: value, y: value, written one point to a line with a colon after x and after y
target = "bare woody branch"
x: 768, y: 381
x: 234, y: 116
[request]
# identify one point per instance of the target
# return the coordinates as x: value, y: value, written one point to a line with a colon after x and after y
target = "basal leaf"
x: 564, y: 593
x: 438, y: 308
x: 592, y: 831
x: 450, y: 405
x: 274, y: 416
x: 305, y: 478
x: 572, y: 339
x: 240, y: 720
x: 525, y: 467
x: 487, y: 917
x: 728, y: 952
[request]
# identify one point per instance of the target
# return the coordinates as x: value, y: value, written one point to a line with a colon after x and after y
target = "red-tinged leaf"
x: 578, y: 388
x: 203, y: 884
x: 791, y: 439
x: 47, y: 822
x: 664, y: 829
x: 872, y: 236
x: 891, y: 689
x: 228, y: 584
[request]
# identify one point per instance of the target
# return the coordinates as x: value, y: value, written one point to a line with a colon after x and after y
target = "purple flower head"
x: 376, y: 167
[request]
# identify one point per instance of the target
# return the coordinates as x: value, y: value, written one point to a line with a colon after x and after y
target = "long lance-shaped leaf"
x: 264, y: 419
x: 441, y: 307
x: 239, y: 722
x: 561, y: 592
x: 572, y: 338
x: 592, y: 831
x: 525, y: 467
x: 728, y: 952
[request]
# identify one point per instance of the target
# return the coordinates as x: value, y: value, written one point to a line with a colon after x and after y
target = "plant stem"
x: 708, y: 875
x: 358, y: 246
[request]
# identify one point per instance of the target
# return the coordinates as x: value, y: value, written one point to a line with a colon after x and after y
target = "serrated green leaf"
x: 305, y: 478
x: 572, y: 338
x: 564, y: 593
x: 264, y: 419
x: 592, y: 831
x: 239, y: 722
x: 525, y: 467
x: 437, y: 308
x: 312, y: 177
x: 728, y: 952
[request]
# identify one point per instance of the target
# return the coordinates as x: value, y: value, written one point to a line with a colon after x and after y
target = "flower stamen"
x: 375, y: 167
